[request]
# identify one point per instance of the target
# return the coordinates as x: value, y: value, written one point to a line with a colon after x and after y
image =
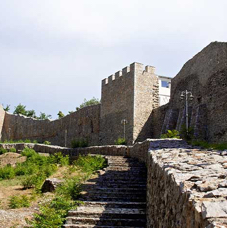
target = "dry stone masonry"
x: 205, y: 75
x: 186, y: 186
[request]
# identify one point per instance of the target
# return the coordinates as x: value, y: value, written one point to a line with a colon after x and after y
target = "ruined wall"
x: 146, y: 99
x: 157, y: 119
x: 129, y: 94
x: 205, y: 75
x: 2, y: 117
x: 82, y: 124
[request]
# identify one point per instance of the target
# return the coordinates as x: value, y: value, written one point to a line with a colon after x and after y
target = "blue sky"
x: 54, y: 53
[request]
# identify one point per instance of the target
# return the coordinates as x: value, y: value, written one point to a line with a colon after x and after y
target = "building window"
x: 165, y: 84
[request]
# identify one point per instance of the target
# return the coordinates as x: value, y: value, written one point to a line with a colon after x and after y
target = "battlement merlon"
x: 134, y: 68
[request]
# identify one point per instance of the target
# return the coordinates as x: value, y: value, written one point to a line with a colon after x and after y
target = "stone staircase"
x: 117, y: 198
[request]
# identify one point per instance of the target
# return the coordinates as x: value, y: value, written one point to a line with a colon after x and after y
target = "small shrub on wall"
x: 120, y: 141
x: 79, y: 143
x: 171, y: 134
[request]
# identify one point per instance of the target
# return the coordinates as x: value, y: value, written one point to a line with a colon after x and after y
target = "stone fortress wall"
x: 133, y: 94
x: 205, y: 75
x: 83, y: 124
x: 130, y: 94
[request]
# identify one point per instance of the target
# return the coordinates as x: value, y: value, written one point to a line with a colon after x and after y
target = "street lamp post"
x: 9, y: 133
x: 65, y: 137
x: 124, y: 122
x: 188, y: 97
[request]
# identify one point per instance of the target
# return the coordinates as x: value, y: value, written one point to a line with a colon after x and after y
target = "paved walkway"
x: 117, y: 198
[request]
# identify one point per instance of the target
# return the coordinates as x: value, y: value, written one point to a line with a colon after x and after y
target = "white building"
x: 164, y: 89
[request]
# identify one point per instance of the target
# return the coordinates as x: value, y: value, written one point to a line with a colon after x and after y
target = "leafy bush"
x: 46, y: 142
x: 13, y: 150
x: 90, y: 163
x: 71, y: 188
x: 19, y: 201
x: 28, y: 152
x: 7, y: 172
x: 120, y: 141
x: 35, y: 141
x: 79, y: 143
x: 188, y: 136
x: 58, y: 158
x: 53, y: 213
x: 171, y: 134
x: 27, y: 141
x: 3, y: 151
x: 34, y: 181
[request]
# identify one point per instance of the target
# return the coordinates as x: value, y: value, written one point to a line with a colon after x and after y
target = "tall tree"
x: 86, y: 103
x: 20, y: 109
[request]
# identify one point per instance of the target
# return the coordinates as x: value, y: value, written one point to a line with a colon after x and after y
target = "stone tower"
x: 131, y: 95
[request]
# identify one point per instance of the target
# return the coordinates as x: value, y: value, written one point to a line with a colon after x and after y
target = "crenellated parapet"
x: 131, y: 69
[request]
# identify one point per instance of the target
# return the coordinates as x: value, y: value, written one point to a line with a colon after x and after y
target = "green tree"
x: 20, y: 109
x: 60, y: 114
x: 7, y: 108
x: 86, y: 103
x: 31, y: 113
x: 44, y: 116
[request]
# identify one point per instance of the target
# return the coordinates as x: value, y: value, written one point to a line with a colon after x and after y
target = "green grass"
x: 206, y: 145
x: 19, y: 201
x: 36, y: 168
x: 53, y: 213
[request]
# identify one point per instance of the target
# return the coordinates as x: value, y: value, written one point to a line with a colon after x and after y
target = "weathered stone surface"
x: 82, y: 124
x: 205, y: 75
x: 51, y: 184
x: 131, y: 96
x: 214, y: 209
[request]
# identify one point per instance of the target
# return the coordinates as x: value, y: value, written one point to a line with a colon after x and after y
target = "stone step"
x: 115, y: 204
x: 115, y: 185
x: 120, y: 180
x: 120, y: 168
x: 106, y: 222
x: 114, y: 193
x: 119, y: 185
x: 114, y: 198
x: 117, y: 198
x: 102, y: 212
x: 95, y: 226
x: 117, y: 190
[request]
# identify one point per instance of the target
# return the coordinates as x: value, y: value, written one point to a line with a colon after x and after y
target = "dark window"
x: 165, y: 84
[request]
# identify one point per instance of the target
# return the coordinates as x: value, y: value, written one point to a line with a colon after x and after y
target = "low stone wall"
x: 186, y: 186
x: 72, y: 152
x: 82, y: 124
